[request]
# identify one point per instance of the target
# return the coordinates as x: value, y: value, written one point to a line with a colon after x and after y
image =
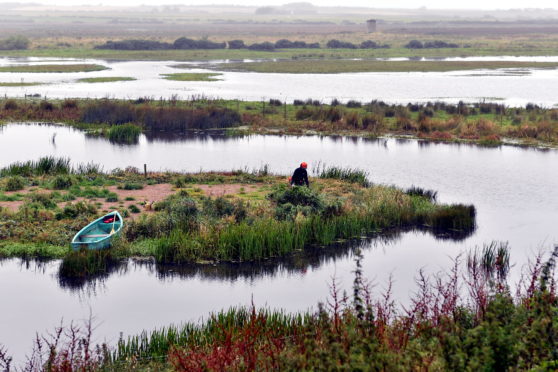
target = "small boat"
x: 99, y: 233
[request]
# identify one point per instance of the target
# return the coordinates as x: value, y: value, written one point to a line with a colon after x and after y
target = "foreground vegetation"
x: 465, y: 319
x: 484, y: 123
x: 55, y: 200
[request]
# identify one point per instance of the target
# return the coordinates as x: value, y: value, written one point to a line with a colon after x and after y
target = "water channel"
x: 515, y: 87
x: 513, y: 189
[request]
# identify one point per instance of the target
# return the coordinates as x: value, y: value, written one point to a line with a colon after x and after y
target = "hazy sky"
x: 484, y: 4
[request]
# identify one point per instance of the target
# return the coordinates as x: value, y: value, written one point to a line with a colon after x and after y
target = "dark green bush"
x: 62, y: 182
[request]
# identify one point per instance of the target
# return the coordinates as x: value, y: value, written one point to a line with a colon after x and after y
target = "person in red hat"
x: 300, y: 176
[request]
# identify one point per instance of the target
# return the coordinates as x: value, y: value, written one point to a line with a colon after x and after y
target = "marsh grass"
x: 353, y: 175
x: 193, y: 76
x: 20, y: 84
x: 53, y: 68
x: 125, y: 133
x: 108, y: 79
x: 86, y: 263
x: 344, y: 66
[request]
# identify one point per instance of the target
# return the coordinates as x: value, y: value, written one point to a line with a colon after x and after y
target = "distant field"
x: 54, y: 68
x: 288, y: 54
x: 339, y: 66
x: 105, y: 79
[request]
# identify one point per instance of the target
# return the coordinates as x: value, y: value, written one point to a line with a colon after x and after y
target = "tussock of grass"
x: 110, y: 79
x: 125, y: 133
x: 192, y: 76
x: 53, y: 68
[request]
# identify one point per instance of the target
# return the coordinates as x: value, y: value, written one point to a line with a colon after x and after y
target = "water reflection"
x: 298, y: 263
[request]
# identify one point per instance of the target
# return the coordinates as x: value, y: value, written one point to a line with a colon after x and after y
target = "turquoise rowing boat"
x: 99, y: 233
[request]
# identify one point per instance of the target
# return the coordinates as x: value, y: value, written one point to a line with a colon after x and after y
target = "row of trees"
x: 191, y: 44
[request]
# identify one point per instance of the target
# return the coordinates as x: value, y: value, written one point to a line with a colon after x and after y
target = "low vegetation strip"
x: 53, y: 68
x: 466, y: 319
x: 109, y: 79
x: 192, y: 76
x: 488, y: 124
x: 20, y: 84
x: 340, y: 66
x: 189, y: 226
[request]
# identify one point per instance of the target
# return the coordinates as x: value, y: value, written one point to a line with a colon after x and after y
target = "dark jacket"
x: 300, y: 177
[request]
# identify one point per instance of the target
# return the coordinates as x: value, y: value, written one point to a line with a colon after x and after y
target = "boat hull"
x: 99, y: 234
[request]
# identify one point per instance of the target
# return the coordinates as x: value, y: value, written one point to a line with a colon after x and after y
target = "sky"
x: 434, y: 4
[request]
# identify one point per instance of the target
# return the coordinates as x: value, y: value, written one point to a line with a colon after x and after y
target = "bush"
x: 236, y: 44
x: 132, y: 186
x: 62, y: 182
x: 297, y: 196
x: 11, y: 104
x: 135, y: 44
x: 16, y: 42
x: 46, y: 106
x: 266, y: 46
x: 414, y: 44
x: 76, y: 210
x: 337, y: 44
x: 15, y: 183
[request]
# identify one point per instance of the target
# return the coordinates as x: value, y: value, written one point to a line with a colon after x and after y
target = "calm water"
x: 514, y: 87
x: 513, y: 189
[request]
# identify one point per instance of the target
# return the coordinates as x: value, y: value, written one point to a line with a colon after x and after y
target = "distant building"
x: 371, y: 25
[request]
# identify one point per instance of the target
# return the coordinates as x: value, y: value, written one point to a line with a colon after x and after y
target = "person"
x: 300, y: 176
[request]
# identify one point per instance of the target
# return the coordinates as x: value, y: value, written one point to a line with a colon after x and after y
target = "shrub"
x: 414, y: 44
x: 62, y: 182
x: 297, y: 196
x: 134, y: 208
x: 236, y: 44
x: 265, y: 46
x: 132, y: 186
x: 337, y: 44
x: 354, y: 104
x: 11, y: 104
x: 15, y: 183
x: 46, y: 106
x: 16, y: 42
x: 75, y: 210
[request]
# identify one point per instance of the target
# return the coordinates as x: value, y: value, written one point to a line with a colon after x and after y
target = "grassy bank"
x: 340, y: 66
x: 257, y: 215
x: 53, y: 68
x: 464, y: 319
x: 19, y: 84
x: 488, y: 124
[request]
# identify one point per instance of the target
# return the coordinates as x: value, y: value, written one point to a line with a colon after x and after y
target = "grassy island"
x: 208, y: 217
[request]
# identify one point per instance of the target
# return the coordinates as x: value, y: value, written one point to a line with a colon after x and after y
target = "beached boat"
x: 99, y: 233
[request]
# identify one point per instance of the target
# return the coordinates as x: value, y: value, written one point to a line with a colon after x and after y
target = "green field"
x: 54, y: 68
x: 339, y: 66
x: 192, y: 76
x: 105, y: 79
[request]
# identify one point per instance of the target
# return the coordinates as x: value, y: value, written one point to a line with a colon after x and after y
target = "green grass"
x: 19, y: 84
x: 125, y: 133
x: 110, y: 79
x: 54, y: 68
x: 192, y: 76
x: 340, y: 66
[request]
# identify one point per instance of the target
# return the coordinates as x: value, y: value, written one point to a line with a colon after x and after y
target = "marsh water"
x: 513, y: 189
x: 515, y: 86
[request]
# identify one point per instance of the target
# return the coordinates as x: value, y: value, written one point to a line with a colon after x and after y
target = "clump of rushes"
x: 62, y: 182
x: 85, y: 263
x: 131, y: 186
x: 48, y: 165
x: 353, y: 175
x: 125, y: 133
x: 419, y: 191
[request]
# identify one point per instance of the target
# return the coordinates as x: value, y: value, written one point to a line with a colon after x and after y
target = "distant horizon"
x: 379, y: 4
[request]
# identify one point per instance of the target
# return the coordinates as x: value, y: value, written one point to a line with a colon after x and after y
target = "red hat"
x: 304, y: 165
